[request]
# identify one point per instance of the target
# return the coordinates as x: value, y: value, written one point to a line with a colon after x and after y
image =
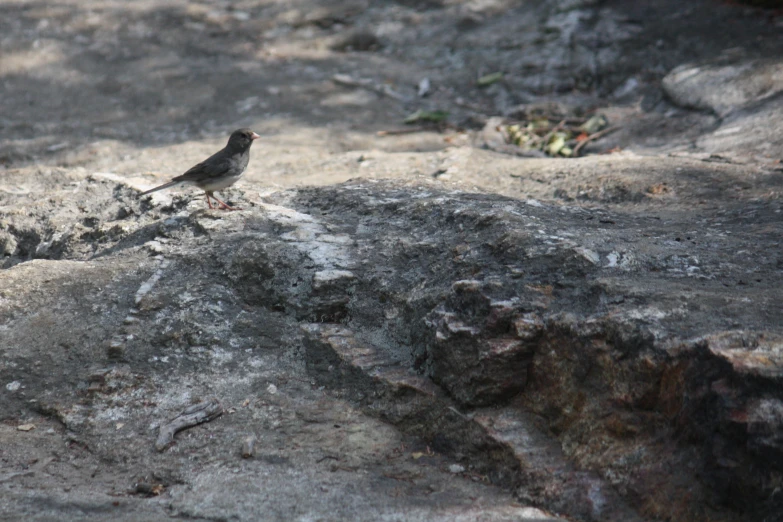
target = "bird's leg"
x: 209, y: 203
x: 223, y: 205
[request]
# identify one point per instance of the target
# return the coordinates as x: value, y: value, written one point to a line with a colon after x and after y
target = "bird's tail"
x: 161, y: 187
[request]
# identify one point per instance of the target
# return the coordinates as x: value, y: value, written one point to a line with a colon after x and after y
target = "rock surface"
x: 614, y: 367
x: 403, y: 326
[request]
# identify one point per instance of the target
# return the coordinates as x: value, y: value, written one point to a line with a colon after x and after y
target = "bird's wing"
x: 216, y: 165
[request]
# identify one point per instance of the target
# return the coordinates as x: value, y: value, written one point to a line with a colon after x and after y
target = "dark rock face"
x: 595, y: 356
x: 482, y: 349
x: 547, y: 349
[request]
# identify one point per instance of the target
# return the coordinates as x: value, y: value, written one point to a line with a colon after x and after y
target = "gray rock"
x: 401, y: 327
x: 725, y: 85
x: 602, y: 343
x: 750, y: 131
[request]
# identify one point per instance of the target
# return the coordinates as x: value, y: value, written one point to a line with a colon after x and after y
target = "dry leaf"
x: 556, y: 144
x: 594, y: 124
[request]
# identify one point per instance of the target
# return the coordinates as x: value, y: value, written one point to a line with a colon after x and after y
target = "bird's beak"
x: 254, y: 136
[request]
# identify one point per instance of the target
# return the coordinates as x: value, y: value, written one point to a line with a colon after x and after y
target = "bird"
x: 219, y: 171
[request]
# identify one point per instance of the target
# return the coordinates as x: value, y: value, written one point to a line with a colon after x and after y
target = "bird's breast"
x: 218, y: 183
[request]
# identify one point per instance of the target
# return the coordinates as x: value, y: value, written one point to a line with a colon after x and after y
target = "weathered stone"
x: 602, y: 343
x: 477, y: 352
x: 727, y: 84
x: 605, y: 384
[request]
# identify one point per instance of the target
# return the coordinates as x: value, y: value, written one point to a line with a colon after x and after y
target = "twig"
x: 385, y: 90
x: 334, y: 468
x: 402, y: 478
x: 397, y: 132
x: 455, y: 410
x: 593, y: 137
x: 325, y: 457
x: 193, y: 415
x: 569, y: 122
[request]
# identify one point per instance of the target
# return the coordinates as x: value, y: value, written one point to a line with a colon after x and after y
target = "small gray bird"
x: 219, y: 171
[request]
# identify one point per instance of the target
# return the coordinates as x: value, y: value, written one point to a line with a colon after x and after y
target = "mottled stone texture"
x: 467, y: 333
x: 571, y: 356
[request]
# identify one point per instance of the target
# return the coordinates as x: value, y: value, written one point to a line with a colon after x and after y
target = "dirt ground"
x: 148, y: 88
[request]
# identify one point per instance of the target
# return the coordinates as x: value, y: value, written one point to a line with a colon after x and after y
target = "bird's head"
x: 242, y: 139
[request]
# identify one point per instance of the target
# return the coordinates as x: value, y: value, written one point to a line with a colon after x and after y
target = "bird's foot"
x: 225, y: 206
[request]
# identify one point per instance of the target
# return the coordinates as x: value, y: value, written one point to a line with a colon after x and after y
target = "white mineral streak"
x: 311, y: 237
x: 147, y: 286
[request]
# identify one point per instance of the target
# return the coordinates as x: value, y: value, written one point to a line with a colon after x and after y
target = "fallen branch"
x: 384, y: 90
x: 593, y: 137
x: 398, y: 132
x: 192, y: 416
x: 548, y: 135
